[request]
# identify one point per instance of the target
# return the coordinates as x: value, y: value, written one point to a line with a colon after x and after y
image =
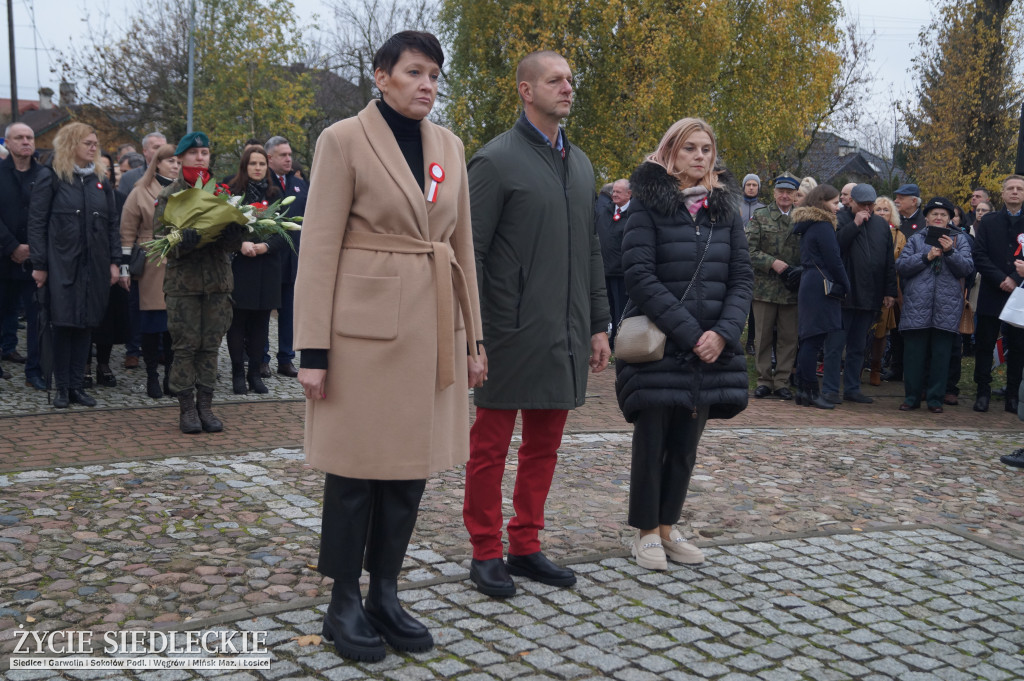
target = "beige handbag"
x: 638, y: 339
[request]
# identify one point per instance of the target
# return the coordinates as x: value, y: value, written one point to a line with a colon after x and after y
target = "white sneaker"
x: 649, y: 553
x: 682, y: 551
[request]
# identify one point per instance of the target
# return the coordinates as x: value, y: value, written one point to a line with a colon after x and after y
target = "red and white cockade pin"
x: 99, y: 185
x: 1020, y: 244
x: 436, y: 178
x: 617, y: 216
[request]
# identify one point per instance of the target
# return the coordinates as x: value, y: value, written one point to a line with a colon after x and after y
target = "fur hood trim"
x: 659, y: 192
x: 813, y: 214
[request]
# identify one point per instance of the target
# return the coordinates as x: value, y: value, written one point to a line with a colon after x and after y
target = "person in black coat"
x: 257, y: 273
x: 279, y: 156
x: 820, y: 313
x: 687, y: 268
x: 19, y: 173
x: 75, y: 248
x: 610, y: 220
x: 999, y: 260
x: 865, y: 242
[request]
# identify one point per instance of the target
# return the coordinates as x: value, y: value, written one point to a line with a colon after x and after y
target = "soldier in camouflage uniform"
x: 775, y: 255
x: 197, y: 289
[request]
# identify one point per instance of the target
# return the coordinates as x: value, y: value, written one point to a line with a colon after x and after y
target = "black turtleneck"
x: 407, y: 134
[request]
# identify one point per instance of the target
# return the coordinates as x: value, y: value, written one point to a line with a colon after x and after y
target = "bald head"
x: 844, y: 195
x: 532, y: 65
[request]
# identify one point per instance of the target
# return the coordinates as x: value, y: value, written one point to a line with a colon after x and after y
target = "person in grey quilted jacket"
x: 933, y: 301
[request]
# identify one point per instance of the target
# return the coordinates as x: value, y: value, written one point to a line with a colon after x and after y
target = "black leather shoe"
x: 348, y: 628
x: 784, y: 394
x: 79, y: 396
x: 981, y: 404
x: 1016, y: 459
x: 537, y: 567
x: 287, y: 369
x: 13, y: 356
x: 403, y: 632
x: 35, y: 382
x: 762, y: 391
x: 60, y: 400
x: 153, y: 386
x: 105, y: 377
x: 1010, y: 405
x: 256, y: 383
x: 492, y: 578
x: 264, y: 370
x: 858, y: 397
x: 834, y: 398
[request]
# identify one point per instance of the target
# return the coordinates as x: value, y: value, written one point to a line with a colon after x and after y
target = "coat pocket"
x: 367, y: 307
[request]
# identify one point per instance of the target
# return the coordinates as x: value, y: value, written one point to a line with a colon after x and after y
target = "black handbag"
x: 137, y: 261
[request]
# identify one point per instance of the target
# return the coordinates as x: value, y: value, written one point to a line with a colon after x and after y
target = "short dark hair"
x: 394, y: 47
x: 820, y: 196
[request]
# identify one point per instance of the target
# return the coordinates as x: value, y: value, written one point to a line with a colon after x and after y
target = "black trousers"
x: 807, y: 359
x: 664, y: 453
x: 617, y: 298
x: 366, y: 522
x: 985, y: 334
x: 151, y: 350
x: 247, y: 336
x: 70, y: 353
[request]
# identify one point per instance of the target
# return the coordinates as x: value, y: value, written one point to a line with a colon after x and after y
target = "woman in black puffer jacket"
x: 681, y: 214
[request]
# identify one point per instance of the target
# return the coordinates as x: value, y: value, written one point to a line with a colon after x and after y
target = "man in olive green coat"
x: 545, y: 315
x: 775, y: 255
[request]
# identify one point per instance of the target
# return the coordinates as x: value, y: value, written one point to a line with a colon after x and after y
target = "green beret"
x: 193, y: 139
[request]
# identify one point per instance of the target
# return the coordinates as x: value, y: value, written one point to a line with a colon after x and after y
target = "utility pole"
x: 191, y: 60
x: 1019, y: 170
x: 14, y: 68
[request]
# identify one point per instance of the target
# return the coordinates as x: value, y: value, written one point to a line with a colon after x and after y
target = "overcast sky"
x: 58, y: 22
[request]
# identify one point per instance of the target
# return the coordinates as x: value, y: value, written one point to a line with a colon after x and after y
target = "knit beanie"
x: 751, y: 177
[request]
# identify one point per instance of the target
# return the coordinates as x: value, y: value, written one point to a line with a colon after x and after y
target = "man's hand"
x: 709, y: 346
x: 600, y: 352
x: 779, y: 266
x: 888, y: 302
x: 39, y: 276
x: 115, y: 274
x: 20, y: 254
x: 1019, y: 264
x: 861, y: 217
x: 1008, y: 284
x: 314, y: 383
x: 477, y: 368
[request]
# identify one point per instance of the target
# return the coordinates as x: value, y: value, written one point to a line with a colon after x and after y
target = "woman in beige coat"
x: 137, y: 228
x: 387, y: 318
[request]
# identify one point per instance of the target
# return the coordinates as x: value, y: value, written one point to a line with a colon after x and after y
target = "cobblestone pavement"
x: 913, y: 604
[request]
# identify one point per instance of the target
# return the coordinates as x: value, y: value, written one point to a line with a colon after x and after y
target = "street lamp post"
x: 191, y: 60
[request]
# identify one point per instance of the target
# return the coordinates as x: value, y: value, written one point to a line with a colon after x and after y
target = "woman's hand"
x: 935, y: 252
x: 125, y: 283
x: 477, y: 368
x: 115, y: 274
x: 709, y: 346
x: 249, y: 249
x: 39, y: 276
x: 946, y: 243
x: 314, y: 383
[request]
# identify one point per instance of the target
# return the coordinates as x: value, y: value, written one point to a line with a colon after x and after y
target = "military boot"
x: 189, y: 419
x: 204, y: 403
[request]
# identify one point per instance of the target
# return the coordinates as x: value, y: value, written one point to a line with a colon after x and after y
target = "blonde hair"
x: 894, y: 215
x: 807, y: 184
x: 69, y: 137
x: 162, y: 154
x: 674, y: 138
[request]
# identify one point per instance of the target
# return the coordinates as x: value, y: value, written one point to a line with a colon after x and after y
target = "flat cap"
x: 908, y: 190
x: 863, y: 193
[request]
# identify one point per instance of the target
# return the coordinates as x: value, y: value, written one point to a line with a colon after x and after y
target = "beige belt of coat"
x: 448, y: 275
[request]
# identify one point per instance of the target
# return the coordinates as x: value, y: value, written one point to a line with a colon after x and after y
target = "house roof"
x: 832, y: 156
x: 43, y: 120
x: 23, y: 106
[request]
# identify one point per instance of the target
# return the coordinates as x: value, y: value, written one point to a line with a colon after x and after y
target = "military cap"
x: 192, y: 140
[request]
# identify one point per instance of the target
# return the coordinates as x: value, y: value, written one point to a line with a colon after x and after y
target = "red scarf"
x: 191, y: 173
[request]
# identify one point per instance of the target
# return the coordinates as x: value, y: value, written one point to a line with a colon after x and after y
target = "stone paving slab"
x: 914, y: 604
x: 163, y: 542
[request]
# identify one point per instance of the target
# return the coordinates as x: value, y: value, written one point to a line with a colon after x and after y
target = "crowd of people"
x: 74, y: 232
x: 415, y: 262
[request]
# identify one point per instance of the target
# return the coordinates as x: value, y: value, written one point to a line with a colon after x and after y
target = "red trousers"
x: 489, y: 440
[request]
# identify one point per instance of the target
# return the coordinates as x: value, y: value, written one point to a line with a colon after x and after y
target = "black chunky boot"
x: 255, y: 380
x: 399, y: 628
x: 238, y: 378
x: 347, y: 626
x: 188, y: 421
x: 204, y: 404
x: 153, y: 384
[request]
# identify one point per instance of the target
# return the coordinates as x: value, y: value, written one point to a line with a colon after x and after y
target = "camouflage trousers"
x: 197, y: 325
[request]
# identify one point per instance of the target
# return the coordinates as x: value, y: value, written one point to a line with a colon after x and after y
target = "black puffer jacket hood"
x: 662, y: 246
